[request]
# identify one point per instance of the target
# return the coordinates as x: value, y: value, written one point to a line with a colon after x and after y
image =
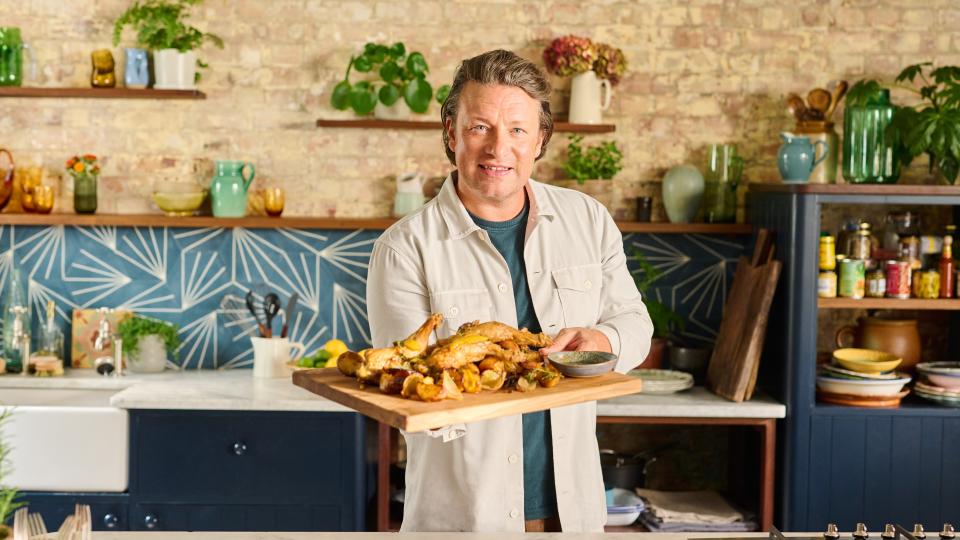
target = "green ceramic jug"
x: 228, y: 191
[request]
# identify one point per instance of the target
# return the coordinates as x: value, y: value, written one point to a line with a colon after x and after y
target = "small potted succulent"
x: 146, y: 341
x: 397, y: 83
x: 161, y: 27
x: 665, y: 320
x: 8, y: 495
x: 593, y: 66
x: 590, y: 169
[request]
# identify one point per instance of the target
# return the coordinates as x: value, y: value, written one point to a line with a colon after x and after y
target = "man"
x: 496, y: 245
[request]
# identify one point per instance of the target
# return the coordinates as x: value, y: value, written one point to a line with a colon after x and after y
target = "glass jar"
x: 85, y: 193
x: 722, y: 173
x: 824, y: 172
x: 868, y: 158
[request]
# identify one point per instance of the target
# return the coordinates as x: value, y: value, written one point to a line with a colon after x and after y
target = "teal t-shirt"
x: 539, y: 491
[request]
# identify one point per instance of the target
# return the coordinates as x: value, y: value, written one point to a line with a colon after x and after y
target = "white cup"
x: 270, y: 356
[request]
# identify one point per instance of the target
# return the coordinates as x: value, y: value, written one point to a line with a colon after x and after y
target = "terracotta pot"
x: 5, y: 532
x: 894, y: 336
x: 654, y: 359
x: 601, y: 190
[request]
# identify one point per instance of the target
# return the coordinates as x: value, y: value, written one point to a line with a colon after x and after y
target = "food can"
x: 827, y: 284
x: 910, y: 251
x: 852, y: 279
x: 898, y: 279
x: 926, y: 284
x: 876, y: 284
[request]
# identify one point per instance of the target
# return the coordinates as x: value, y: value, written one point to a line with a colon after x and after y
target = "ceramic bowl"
x: 623, y: 507
x: 943, y: 374
x: 852, y: 387
x: 949, y: 382
x: 583, y: 363
x: 866, y: 360
x: 179, y: 199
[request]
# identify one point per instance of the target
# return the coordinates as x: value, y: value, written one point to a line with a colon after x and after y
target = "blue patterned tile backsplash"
x: 183, y: 274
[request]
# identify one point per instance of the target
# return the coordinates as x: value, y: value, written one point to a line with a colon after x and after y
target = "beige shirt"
x: 439, y: 260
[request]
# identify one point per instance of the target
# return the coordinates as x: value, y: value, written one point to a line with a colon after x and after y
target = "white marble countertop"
x: 237, y: 389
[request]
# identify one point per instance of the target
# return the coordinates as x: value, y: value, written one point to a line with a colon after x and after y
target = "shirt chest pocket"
x: 579, y: 290
x: 458, y: 307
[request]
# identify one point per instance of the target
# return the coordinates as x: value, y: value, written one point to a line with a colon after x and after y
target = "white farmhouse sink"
x: 65, y: 440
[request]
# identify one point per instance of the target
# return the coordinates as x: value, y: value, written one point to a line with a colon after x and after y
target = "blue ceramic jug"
x: 136, y: 73
x: 797, y: 157
x: 228, y: 191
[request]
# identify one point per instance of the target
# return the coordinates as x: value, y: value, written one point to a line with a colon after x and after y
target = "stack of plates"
x: 663, y: 381
x: 623, y: 507
x: 942, y: 382
x: 862, y: 378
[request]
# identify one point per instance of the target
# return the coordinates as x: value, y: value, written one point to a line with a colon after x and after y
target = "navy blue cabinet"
x: 232, y: 471
x: 844, y: 464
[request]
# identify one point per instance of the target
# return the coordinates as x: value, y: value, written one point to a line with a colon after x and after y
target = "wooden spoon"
x: 819, y: 99
x: 796, y: 106
x: 839, y: 91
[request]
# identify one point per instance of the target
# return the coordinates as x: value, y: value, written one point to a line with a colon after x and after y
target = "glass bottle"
x: 947, y: 274
x: 16, y: 319
x: 868, y: 158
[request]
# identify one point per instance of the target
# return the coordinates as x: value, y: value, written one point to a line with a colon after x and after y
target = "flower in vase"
x: 570, y: 55
x: 85, y: 165
x: 610, y: 64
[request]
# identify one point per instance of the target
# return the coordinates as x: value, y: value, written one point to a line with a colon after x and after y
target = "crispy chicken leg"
x: 497, y: 332
x: 377, y: 360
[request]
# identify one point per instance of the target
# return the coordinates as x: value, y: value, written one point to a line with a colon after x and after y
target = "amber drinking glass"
x: 273, y: 199
x: 43, y: 199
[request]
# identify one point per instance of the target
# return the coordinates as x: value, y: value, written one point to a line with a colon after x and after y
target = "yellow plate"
x: 866, y: 360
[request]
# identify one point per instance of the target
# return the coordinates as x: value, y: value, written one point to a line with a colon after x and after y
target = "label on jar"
x: 827, y: 284
x: 876, y: 284
x: 926, y: 284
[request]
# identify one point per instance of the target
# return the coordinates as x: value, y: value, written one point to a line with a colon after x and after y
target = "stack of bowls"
x: 623, y: 507
x: 941, y: 382
x: 862, y: 378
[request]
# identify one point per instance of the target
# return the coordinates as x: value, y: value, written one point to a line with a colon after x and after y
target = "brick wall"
x: 699, y: 72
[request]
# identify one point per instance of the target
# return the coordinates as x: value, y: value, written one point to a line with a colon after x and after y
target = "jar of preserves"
x: 828, y: 255
x: 827, y: 284
x: 876, y: 284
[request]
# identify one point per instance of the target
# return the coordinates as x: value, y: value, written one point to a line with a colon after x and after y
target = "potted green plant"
x: 161, y: 27
x: 590, y: 169
x: 147, y: 341
x: 8, y: 495
x: 392, y: 74
x: 665, y: 320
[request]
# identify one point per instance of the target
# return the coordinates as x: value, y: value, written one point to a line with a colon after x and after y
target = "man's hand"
x: 578, y: 339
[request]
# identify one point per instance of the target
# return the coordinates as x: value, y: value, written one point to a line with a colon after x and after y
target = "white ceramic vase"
x: 683, y: 188
x: 174, y: 70
x: 586, y: 102
x: 398, y: 111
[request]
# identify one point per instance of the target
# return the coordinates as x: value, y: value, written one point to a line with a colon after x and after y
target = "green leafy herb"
x: 8, y: 495
x: 594, y: 162
x: 664, y: 319
x: 160, y: 24
x: 132, y: 330
x: 400, y: 75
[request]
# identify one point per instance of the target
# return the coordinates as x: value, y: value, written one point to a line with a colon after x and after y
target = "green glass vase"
x: 868, y: 157
x: 85, y: 194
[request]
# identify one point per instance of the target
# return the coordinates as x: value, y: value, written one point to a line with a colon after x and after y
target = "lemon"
x: 332, y: 362
x: 335, y: 347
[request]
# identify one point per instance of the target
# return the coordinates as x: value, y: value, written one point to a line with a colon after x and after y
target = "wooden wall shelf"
x: 949, y: 304
x: 100, y: 93
x: 855, y: 189
x: 158, y: 220
x: 373, y: 123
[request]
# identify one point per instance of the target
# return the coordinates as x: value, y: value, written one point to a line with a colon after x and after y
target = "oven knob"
x: 831, y: 532
x: 918, y: 531
x: 861, y: 531
x: 947, y: 532
x: 889, y: 532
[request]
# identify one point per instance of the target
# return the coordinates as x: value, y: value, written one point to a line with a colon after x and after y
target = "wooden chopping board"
x: 736, y: 356
x: 411, y: 415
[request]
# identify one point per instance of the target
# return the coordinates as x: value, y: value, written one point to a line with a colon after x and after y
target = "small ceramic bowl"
x: 852, y: 387
x: 582, y: 363
x: 942, y: 374
x: 179, y: 199
x: 866, y: 360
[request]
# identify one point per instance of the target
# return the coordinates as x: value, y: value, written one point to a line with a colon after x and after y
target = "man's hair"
x: 503, y: 68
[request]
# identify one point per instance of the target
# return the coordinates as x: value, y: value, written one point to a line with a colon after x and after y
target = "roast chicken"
x: 479, y: 356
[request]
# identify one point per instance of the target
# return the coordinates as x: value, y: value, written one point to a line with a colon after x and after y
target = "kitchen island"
x: 174, y: 535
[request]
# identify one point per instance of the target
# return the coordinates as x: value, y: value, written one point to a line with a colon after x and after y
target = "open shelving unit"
x: 98, y: 93
x: 849, y: 464
x: 258, y: 222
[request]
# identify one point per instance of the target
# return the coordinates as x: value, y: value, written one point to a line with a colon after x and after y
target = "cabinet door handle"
x: 111, y: 521
x: 239, y: 448
x: 151, y: 521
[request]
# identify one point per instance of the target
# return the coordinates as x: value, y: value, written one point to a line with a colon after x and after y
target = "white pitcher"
x: 585, y: 103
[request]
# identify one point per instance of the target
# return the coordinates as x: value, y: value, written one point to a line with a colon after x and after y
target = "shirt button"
x: 513, y: 458
x: 502, y: 287
x: 514, y: 513
x: 454, y: 311
x: 587, y: 284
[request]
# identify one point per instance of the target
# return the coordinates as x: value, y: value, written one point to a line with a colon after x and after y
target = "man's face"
x: 496, y: 138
